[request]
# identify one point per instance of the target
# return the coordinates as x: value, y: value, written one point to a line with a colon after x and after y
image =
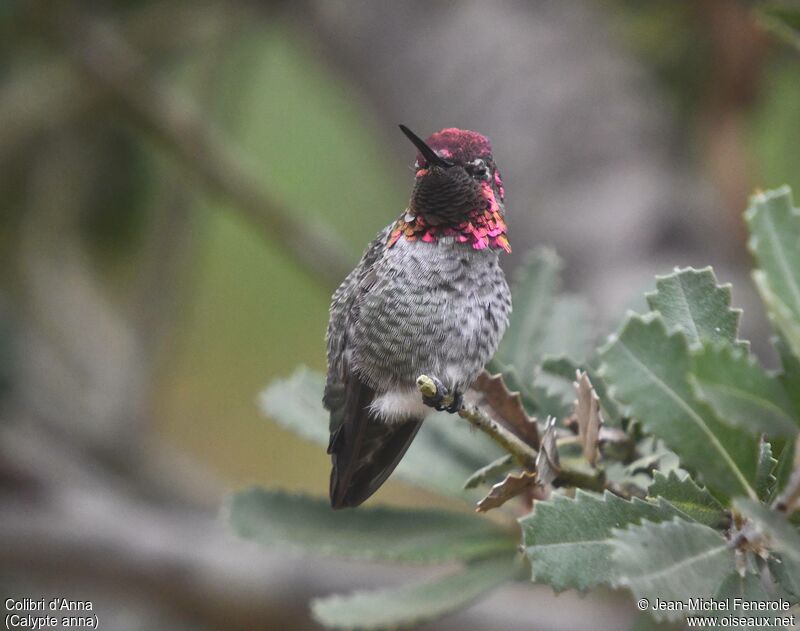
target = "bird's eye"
x: 478, y: 169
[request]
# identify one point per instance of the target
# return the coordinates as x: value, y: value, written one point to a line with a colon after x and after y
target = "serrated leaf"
x: 506, y: 407
x: 741, y: 392
x: 774, y: 226
x: 409, y: 605
x: 444, y: 453
x: 498, y: 467
x: 569, y: 542
x: 692, y: 301
x: 512, y: 485
x: 308, y: 523
x: 689, y: 498
x: 514, y: 382
x: 648, y: 368
x: 533, y: 292
x: 674, y: 560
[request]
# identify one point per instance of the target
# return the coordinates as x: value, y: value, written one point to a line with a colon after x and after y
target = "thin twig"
x: 101, y: 53
x: 523, y: 454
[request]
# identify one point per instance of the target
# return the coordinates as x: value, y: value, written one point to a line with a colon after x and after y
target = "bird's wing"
x: 364, y: 450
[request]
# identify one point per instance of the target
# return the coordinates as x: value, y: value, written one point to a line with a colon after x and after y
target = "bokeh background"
x: 183, y: 183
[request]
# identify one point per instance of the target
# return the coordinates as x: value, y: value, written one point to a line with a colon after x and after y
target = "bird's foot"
x: 442, y: 400
x: 455, y: 405
x: 436, y: 401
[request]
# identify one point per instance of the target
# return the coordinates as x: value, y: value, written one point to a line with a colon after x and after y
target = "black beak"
x: 424, y: 149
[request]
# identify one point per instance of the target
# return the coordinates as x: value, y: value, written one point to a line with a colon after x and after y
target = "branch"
x: 523, y: 454
x: 102, y: 54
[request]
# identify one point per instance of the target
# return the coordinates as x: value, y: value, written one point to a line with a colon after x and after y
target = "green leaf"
x: 444, y: 453
x: 647, y: 369
x: 774, y: 226
x: 780, y: 316
x: 780, y: 537
x: 692, y: 301
x: 410, y: 605
x: 765, y: 480
x: 491, y: 471
x: 307, y: 523
x: 748, y: 588
x: 692, y: 500
x: 533, y: 293
x: 552, y: 386
x: 741, y: 392
x: 674, y: 560
x: 296, y: 404
x: 569, y: 542
x: 784, y: 449
x: 790, y: 376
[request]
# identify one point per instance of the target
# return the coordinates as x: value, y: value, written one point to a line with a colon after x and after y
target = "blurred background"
x: 183, y: 183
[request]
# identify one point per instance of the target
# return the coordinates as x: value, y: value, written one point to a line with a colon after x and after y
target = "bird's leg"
x: 436, y: 400
x: 458, y: 401
x: 435, y: 395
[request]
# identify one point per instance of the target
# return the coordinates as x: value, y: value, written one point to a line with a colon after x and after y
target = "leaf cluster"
x: 666, y: 457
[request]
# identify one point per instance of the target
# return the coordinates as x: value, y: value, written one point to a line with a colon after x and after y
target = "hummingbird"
x: 428, y: 297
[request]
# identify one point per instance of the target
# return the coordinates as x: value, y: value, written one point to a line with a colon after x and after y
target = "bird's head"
x: 458, y: 187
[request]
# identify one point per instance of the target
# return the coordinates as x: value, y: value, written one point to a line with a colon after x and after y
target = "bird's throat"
x: 482, y: 227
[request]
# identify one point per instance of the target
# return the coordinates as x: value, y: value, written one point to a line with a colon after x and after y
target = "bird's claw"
x: 437, y: 400
x: 458, y: 401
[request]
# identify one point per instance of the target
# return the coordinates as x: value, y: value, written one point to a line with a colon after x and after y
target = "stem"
x: 523, y: 454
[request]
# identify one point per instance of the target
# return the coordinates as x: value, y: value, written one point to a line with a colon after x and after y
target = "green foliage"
x: 692, y: 301
x: 692, y: 500
x: 778, y: 534
x: 569, y: 542
x: 534, y: 290
x: 648, y: 370
x: 416, y: 603
x: 741, y: 392
x: 774, y: 226
x: 672, y: 561
x: 420, y: 536
x: 694, y: 424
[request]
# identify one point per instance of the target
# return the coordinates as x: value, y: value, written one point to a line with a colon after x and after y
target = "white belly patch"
x: 399, y: 405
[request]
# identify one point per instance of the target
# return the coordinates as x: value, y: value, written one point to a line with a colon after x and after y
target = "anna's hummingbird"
x: 428, y: 297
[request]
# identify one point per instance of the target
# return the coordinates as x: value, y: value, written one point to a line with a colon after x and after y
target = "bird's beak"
x: 427, y: 153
